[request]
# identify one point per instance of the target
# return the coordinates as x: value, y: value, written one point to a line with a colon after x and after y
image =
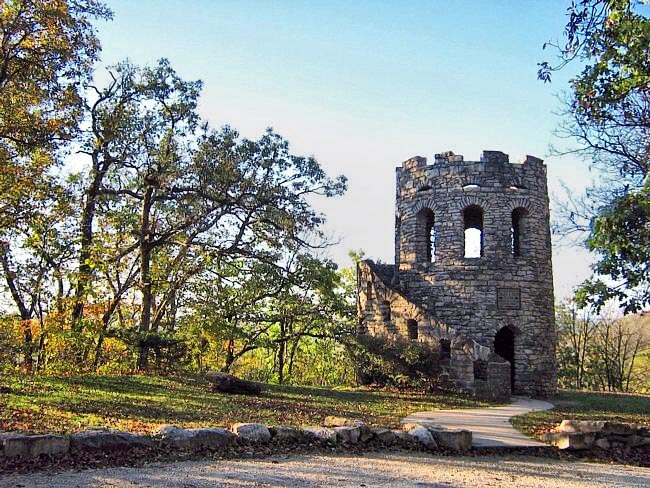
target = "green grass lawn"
x: 143, y: 403
x: 581, y: 405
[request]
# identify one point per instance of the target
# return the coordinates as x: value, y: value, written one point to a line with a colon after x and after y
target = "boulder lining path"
x: 490, y: 426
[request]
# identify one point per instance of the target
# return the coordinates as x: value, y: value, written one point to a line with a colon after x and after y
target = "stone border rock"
x: 337, y: 432
x: 588, y: 434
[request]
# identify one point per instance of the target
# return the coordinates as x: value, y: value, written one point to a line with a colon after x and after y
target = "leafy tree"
x: 576, y: 329
x: 35, y: 262
x: 621, y: 238
x: 133, y: 122
x: 608, y: 115
x: 599, y: 351
x: 47, y: 49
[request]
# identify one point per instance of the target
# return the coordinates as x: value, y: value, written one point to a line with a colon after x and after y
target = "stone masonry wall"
x: 476, y: 297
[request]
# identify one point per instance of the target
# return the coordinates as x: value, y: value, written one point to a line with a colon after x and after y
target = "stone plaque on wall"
x: 508, y: 299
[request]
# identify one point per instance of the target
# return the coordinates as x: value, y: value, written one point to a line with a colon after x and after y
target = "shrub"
x: 395, y: 361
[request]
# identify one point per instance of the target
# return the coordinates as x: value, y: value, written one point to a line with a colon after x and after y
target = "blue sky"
x: 365, y: 85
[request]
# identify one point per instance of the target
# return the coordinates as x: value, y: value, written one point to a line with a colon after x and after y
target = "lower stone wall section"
x: 497, y: 385
x: 337, y: 431
x: 586, y: 434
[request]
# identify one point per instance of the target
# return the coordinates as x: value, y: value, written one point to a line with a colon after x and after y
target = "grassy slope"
x: 581, y: 405
x: 143, y: 403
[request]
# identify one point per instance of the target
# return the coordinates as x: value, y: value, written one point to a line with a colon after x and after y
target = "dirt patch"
x: 399, y: 470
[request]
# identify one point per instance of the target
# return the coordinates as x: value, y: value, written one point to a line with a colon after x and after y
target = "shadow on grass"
x: 147, y: 401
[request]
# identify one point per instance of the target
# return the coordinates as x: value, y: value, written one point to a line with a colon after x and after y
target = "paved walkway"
x: 490, y: 427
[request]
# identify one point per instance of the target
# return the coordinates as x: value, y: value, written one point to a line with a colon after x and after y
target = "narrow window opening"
x: 412, y: 327
x: 424, y: 188
x: 518, y: 218
x: 445, y: 349
x: 426, y: 241
x: 369, y: 291
x: 473, y: 224
x: 387, y: 315
x: 362, y: 329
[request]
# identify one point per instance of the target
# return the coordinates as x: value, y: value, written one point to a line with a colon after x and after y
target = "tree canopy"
x: 176, y: 244
x: 608, y: 115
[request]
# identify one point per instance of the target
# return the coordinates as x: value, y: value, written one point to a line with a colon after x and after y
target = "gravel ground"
x: 369, y: 470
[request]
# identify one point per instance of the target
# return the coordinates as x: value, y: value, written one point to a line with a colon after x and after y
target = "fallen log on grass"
x: 227, y: 383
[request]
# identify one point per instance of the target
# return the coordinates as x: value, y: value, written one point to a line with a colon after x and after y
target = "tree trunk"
x: 281, y: 351
x: 230, y: 355
x: 84, y: 271
x: 145, y: 276
x: 25, y: 313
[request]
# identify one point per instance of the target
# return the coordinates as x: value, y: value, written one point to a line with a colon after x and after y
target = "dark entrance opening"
x: 504, y: 346
x: 412, y: 327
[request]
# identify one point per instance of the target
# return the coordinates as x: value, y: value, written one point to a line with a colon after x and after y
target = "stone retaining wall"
x: 336, y: 432
x: 585, y: 434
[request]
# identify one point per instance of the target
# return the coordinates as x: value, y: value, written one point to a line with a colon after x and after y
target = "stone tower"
x: 472, y: 272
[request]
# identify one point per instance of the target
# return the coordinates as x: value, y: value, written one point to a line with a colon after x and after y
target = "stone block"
x: 107, y: 440
x: 348, y: 435
x: 602, y: 426
x: 602, y: 443
x: 583, y: 426
x: 322, y: 433
x: 456, y: 439
x: 23, y: 445
x: 402, y: 437
x: 643, y: 431
x: 194, y: 439
x: 257, y: 433
x: 366, y: 433
x: 283, y: 433
x: 637, y: 441
x: 571, y: 440
x: 385, y: 436
x: 423, y: 436
x: 617, y: 428
x: 332, y: 421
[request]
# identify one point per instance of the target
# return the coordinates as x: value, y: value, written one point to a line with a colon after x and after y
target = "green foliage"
x: 621, y: 237
x: 47, y: 51
x: 612, y: 38
x: 167, y: 350
x: 395, y: 361
x: 608, y: 115
x: 177, y: 246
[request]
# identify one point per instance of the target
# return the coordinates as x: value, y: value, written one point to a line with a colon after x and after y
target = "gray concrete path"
x: 490, y: 427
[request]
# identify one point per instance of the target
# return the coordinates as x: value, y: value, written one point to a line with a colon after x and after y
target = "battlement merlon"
x: 419, y: 163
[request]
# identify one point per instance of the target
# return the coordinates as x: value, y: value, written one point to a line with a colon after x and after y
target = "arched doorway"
x: 504, y: 346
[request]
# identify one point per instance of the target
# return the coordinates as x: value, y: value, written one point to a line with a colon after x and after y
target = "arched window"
x: 412, y: 327
x: 426, y: 236
x: 473, y: 224
x: 516, y: 231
